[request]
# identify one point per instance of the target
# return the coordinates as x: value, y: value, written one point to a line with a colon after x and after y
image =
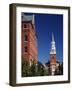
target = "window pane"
x: 26, y: 38
x: 26, y: 49
x: 25, y: 26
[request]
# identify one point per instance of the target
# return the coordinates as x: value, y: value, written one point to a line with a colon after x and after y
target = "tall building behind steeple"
x: 29, y: 38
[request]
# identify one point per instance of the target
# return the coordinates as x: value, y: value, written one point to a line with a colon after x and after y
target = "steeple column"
x: 52, y: 56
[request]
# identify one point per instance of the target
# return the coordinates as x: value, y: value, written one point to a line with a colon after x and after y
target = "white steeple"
x: 33, y: 19
x: 52, y: 37
x: 53, y: 48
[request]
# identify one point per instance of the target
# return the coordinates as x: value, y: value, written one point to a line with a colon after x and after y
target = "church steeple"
x: 53, y: 56
x: 33, y: 19
x: 52, y: 37
x: 53, y: 48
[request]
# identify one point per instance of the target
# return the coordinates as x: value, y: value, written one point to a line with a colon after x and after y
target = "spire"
x: 52, y: 37
x: 53, y: 48
x: 33, y: 21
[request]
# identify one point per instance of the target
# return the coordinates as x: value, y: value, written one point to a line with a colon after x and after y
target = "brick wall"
x: 31, y: 43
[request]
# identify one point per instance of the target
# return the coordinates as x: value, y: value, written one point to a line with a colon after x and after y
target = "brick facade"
x: 53, y: 59
x: 28, y: 41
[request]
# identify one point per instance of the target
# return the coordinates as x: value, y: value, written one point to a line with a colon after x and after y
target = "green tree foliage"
x: 40, y: 69
x: 25, y: 67
x: 37, y: 69
x: 33, y: 70
x: 61, y: 68
x: 28, y: 70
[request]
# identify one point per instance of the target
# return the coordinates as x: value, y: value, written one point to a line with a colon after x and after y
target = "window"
x: 25, y: 48
x: 25, y: 38
x: 25, y: 26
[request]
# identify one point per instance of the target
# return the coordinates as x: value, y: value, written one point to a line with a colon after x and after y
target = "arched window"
x: 26, y: 49
x: 25, y: 38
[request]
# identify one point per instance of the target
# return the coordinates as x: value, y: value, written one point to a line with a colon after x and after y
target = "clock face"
x: 52, y: 57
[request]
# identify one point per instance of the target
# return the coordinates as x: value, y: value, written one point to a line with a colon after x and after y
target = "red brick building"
x: 28, y: 38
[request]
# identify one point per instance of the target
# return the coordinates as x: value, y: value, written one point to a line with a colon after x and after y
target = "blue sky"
x: 45, y: 24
